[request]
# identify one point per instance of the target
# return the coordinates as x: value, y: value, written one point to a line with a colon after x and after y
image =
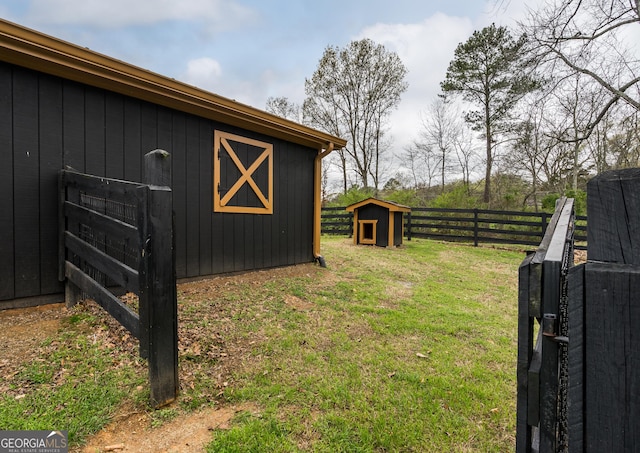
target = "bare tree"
x: 283, y: 107
x: 593, y: 38
x: 324, y: 183
x: 466, y: 149
x: 440, y: 130
x: 599, y: 154
x: 445, y: 146
x: 624, y: 146
x: 378, y: 143
x: 576, y: 107
x: 351, y: 94
x: 422, y: 162
x: 532, y: 147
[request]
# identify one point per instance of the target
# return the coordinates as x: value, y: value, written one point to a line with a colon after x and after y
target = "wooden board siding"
x: 375, y: 212
x: 7, y: 281
x: 51, y: 147
x: 613, y: 202
x: 205, y: 199
x: 58, y: 122
x: 94, y: 136
x: 132, y: 131
x: 611, y: 357
x: 26, y: 156
x: 193, y: 186
x: 398, y: 228
x: 114, y: 123
x: 178, y: 150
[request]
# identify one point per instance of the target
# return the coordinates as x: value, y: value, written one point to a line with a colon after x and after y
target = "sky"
x: 249, y: 50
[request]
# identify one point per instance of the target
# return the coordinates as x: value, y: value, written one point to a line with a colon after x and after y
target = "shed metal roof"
x: 390, y: 205
x: 34, y: 50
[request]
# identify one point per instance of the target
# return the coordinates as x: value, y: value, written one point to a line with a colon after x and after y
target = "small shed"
x: 377, y: 222
x: 246, y: 184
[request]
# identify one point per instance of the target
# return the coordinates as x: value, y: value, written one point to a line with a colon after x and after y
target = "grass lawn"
x: 410, y: 349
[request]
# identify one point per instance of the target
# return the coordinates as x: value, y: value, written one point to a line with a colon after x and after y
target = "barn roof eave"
x: 34, y: 50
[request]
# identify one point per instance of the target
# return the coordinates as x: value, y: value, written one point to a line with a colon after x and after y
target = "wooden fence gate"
x: 542, y: 337
x: 579, y: 385
x: 117, y: 237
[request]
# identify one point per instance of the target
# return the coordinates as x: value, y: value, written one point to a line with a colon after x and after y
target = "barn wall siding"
x: 47, y: 123
x: 26, y: 174
x: 398, y: 228
x: 7, y: 281
x: 381, y: 214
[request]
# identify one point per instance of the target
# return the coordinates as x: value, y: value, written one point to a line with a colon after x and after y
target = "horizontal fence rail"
x: 464, y: 225
x: 117, y: 237
x: 337, y: 221
x: 99, y: 243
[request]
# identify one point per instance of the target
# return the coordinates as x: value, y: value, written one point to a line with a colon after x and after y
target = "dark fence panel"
x: 464, y: 225
x: 337, y: 221
x: 117, y: 236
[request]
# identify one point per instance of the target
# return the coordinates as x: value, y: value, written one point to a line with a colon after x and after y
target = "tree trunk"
x: 487, y: 176
x: 344, y: 178
x: 576, y: 151
x: 443, y: 165
x: 488, y: 132
x: 343, y: 164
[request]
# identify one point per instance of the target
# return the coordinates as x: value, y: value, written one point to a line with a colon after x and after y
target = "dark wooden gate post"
x: 158, y: 298
x: 613, y: 202
x: 607, y: 388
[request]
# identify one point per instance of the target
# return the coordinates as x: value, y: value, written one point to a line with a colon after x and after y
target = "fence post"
x: 157, y: 168
x: 611, y: 309
x: 72, y: 294
x: 62, y: 225
x: 475, y: 227
x: 613, y: 229
x: 543, y: 220
x: 158, y: 298
x: 409, y: 226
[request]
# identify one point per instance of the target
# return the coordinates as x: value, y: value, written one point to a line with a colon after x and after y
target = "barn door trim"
x: 221, y: 204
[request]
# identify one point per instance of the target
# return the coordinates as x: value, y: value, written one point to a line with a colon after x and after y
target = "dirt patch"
x: 296, y: 303
x: 207, y: 347
x: 23, y: 329
x: 132, y: 432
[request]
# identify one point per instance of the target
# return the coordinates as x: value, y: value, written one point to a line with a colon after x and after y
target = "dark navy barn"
x: 245, y: 183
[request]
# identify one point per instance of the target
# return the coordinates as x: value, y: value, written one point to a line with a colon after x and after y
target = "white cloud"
x: 122, y: 13
x: 207, y: 74
x: 203, y: 72
x: 425, y: 48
